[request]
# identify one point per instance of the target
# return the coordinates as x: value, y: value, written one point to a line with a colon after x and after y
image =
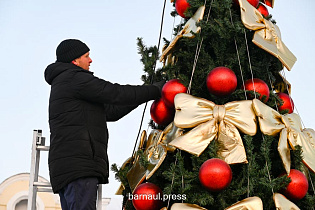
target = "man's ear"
x: 74, y: 62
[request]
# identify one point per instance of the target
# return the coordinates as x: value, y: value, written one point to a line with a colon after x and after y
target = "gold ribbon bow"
x: 155, y: 150
x: 213, y: 121
x: 252, y: 203
x: 267, y: 35
x: 290, y: 129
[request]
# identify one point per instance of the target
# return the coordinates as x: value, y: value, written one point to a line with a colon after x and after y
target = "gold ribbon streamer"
x: 290, y: 129
x: 251, y: 203
x: 189, y: 27
x: 132, y: 160
x: 308, y: 147
x: 282, y: 203
x: 155, y: 150
x: 212, y: 121
x: 267, y: 35
x: 155, y: 153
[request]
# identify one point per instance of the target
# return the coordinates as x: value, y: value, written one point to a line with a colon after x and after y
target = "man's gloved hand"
x: 159, y: 84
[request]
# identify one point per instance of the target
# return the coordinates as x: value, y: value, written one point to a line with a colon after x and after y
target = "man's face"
x: 84, y: 61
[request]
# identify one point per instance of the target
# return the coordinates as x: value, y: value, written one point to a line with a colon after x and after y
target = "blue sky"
x: 30, y: 30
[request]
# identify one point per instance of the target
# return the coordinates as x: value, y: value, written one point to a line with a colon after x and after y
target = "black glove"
x: 159, y: 84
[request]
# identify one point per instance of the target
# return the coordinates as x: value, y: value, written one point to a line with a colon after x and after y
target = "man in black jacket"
x: 80, y: 104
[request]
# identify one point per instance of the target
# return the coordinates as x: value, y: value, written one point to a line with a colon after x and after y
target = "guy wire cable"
x: 152, y: 78
x: 242, y: 76
x: 250, y: 64
x: 154, y: 67
x: 238, y: 56
x: 198, y: 48
x: 291, y: 101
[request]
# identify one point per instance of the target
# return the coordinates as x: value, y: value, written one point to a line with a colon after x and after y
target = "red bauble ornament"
x: 263, y: 10
x: 181, y: 7
x: 147, y: 196
x: 215, y: 174
x: 287, y: 102
x: 298, y: 187
x: 268, y: 2
x: 170, y: 90
x: 258, y: 86
x: 161, y: 113
x: 254, y: 3
x: 221, y: 81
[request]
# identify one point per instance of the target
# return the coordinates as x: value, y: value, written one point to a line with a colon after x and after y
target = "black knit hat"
x: 70, y: 49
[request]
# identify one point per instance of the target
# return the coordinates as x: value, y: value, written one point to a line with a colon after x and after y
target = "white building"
x: 14, y: 195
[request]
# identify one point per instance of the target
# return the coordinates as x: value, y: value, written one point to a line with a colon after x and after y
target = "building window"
x: 21, y: 205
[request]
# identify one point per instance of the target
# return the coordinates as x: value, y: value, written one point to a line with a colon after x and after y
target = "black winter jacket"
x: 80, y: 104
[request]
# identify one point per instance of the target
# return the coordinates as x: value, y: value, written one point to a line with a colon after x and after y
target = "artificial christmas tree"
x: 253, y: 137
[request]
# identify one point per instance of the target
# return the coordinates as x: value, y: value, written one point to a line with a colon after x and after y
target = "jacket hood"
x: 54, y: 69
